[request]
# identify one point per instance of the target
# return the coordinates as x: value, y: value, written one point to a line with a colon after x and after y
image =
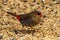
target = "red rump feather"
x: 18, y: 17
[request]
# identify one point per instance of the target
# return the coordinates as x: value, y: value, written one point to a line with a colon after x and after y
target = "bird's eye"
x: 38, y: 13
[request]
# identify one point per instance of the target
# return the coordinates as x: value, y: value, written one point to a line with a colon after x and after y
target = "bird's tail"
x: 11, y: 14
x: 17, y: 16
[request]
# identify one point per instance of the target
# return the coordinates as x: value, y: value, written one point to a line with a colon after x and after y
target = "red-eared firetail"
x: 29, y: 19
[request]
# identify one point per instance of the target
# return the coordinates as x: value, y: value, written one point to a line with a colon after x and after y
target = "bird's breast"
x: 29, y: 20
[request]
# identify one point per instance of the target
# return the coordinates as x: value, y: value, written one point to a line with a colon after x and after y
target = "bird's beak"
x: 41, y: 15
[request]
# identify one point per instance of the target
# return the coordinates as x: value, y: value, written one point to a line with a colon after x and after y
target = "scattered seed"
x: 41, y: 24
x: 16, y: 32
x: 34, y: 1
x: 44, y: 16
x: 25, y: 1
x: 38, y: 3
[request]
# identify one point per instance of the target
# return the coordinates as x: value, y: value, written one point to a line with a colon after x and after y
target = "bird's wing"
x: 27, y: 15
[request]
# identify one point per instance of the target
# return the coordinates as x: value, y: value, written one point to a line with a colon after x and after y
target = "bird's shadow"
x: 24, y: 31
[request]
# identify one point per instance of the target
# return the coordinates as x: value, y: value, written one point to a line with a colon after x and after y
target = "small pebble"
x: 40, y: 23
x: 38, y: 3
x: 12, y: 38
x: 34, y: 1
x: 16, y: 32
x: 58, y: 38
x: 44, y: 16
x: 1, y: 36
x: 5, y: 2
x: 25, y: 1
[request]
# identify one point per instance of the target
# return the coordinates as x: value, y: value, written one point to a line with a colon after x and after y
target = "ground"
x: 47, y: 29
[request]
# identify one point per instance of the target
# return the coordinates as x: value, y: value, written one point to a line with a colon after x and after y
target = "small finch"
x: 29, y: 19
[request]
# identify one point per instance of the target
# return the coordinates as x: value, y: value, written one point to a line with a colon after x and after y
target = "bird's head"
x: 38, y: 13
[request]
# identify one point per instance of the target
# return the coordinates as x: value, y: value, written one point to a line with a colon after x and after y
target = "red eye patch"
x: 41, y: 15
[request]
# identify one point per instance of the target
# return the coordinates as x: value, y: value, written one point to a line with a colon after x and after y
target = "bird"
x: 29, y: 19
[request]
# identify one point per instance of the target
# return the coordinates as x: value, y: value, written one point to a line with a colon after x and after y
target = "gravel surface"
x: 47, y: 29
